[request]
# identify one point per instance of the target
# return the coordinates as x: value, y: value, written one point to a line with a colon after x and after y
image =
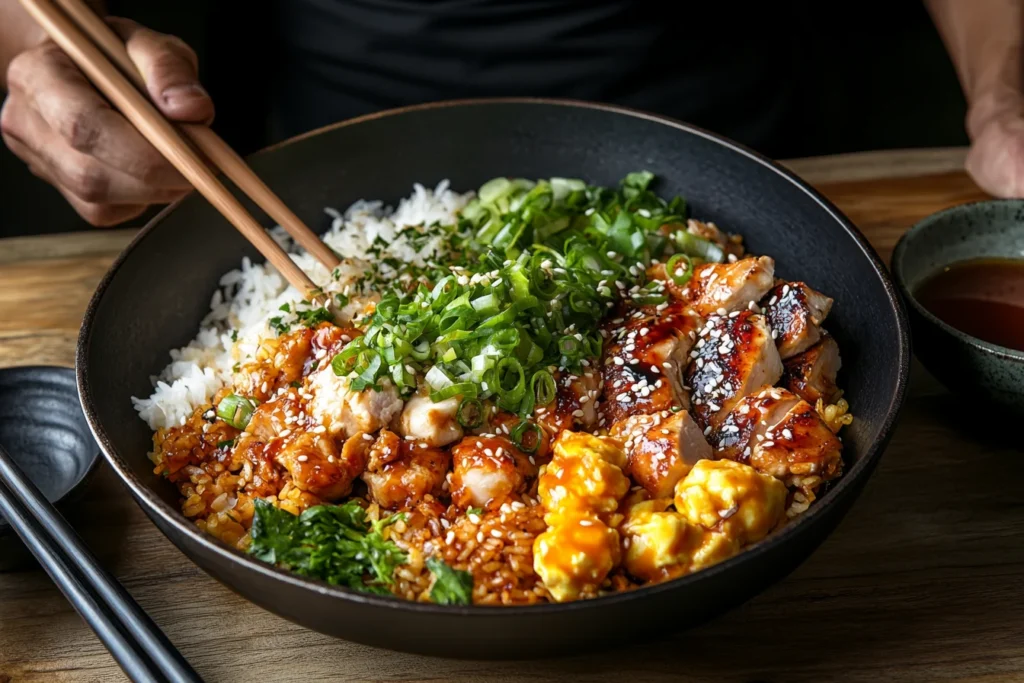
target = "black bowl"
x: 158, y: 290
x: 44, y: 430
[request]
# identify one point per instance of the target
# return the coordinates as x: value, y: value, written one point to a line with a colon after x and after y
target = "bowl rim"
x: 847, y: 485
x: 94, y: 453
x: 900, y: 251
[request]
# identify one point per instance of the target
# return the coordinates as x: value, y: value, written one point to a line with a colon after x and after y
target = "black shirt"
x: 734, y: 67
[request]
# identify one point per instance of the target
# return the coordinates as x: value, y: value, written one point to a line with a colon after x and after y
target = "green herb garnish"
x: 227, y: 443
x: 475, y: 511
x: 451, y: 586
x: 333, y: 543
x: 236, y: 410
x: 534, y: 267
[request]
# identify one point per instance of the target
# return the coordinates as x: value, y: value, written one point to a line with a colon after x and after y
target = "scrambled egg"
x: 733, y: 498
x: 584, y: 475
x: 574, y: 557
x: 659, y: 543
x: 583, y: 481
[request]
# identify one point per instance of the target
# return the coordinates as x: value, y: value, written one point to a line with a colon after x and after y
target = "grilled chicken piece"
x: 279, y: 362
x: 487, y: 471
x: 734, y: 356
x: 778, y: 433
x: 575, y: 404
x: 645, y: 353
x: 433, y: 423
x: 344, y: 411
x: 795, y: 313
x: 730, y: 286
x: 275, y: 416
x: 661, y: 449
x: 316, y: 465
x: 401, y: 472
x: 812, y: 374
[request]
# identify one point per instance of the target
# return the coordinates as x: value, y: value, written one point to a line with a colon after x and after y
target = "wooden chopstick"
x: 136, y: 643
x: 137, y: 108
x: 208, y: 142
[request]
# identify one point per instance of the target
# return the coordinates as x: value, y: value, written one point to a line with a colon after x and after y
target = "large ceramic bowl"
x: 158, y: 290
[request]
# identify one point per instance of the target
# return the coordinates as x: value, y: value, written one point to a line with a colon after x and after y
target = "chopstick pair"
x: 137, y: 644
x: 102, y: 56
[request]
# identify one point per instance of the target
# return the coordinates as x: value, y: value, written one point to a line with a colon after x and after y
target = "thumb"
x: 996, y: 157
x: 170, y: 68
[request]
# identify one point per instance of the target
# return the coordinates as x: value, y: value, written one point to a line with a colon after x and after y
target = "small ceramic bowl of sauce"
x: 961, y: 274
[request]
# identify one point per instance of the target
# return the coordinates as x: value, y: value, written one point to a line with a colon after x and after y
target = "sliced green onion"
x: 494, y: 189
x: 465, y: 389
x: 679, y: 268
x: 236, y: 410
x: 470, y: 413
x: 703, y: 249
x: 543, y: 387
x: 436, y: 378
x: 511, y: 381
x: 527, y: 436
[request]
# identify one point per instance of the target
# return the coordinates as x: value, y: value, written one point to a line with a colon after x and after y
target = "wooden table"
x: 924, y: 579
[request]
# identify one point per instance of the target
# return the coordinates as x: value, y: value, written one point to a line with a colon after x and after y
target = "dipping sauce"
x: 981, y: 297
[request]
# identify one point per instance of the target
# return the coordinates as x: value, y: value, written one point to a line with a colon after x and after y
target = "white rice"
x: 250, y: 296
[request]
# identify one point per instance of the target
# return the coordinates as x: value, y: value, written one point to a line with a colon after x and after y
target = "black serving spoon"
x: 136, y: 643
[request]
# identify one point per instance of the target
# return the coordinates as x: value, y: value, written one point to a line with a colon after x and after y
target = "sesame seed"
x: 302, y: 458
x: 367, y: 437
x: 787, y: 434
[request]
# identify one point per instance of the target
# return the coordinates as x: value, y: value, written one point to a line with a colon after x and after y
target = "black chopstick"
x: 139, y: 646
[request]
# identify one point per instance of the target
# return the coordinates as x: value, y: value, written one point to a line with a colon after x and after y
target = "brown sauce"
x: 981, y: 297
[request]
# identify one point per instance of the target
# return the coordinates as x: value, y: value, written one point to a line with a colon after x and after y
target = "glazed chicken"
x: 487, y: 471
x: 660, y: 449
x: 400, y: 472
x: 316, y: 463
x: 433, y: 423
x: 795, y: 313
x: 645, y: 352
x: 811, y: 375
x: 575, y: 404
x: 778, y: 433
x: 733, y: 357
x: 344, y: 411
x: 729, y: 287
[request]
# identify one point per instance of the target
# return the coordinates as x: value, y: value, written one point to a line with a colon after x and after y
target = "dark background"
x: 879, y: 79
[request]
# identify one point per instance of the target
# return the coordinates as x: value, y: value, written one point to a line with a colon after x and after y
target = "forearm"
x: 19, y: 32
x: 985, y: 40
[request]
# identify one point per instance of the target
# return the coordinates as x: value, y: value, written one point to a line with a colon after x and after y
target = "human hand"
x: 995, y: 161
x: 69, y: 135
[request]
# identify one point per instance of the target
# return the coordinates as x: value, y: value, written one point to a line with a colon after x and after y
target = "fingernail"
x: 184, y: 95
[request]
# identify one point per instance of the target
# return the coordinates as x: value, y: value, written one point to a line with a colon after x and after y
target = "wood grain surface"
x: 923, y: 580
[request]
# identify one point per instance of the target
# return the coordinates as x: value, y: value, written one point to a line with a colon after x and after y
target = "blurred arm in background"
x: 69, y: 135
x: 985, y: 39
